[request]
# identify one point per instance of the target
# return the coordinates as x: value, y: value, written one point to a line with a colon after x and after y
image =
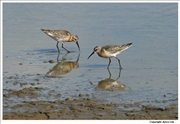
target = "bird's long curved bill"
x: 91, y: 55
x: 78, y: 46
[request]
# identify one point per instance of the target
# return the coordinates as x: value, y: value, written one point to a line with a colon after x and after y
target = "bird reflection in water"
x: 63, y: 67
x: 111, y: 84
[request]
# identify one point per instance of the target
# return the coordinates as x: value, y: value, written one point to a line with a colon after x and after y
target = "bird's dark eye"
x: 96, y: 48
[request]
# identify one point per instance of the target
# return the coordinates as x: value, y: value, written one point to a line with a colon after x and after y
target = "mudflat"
x: 86, y: 107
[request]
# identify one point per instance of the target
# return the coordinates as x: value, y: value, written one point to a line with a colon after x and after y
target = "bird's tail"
x: 44, y: 30
x: 125, y: 46
x: 129, y: 44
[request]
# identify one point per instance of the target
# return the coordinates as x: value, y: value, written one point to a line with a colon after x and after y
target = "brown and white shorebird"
x: 62, y: 36
x: 110, y: 51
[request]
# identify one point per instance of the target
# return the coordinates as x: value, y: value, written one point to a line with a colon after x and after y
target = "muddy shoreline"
x: 80, y: 107
x: 87, y: 108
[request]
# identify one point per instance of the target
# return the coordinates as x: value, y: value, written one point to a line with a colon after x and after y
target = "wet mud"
x: 24, y: 101
x: 26, y: 97
x: 87, y: 109
x: 84, y: 107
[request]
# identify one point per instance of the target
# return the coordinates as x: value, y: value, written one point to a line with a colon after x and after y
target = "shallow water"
x: 150, y: 66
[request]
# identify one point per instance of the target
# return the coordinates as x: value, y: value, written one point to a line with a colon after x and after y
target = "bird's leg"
x: 58, y: 58
x: 109, y: 63
x: 119, y: 75
x: 57, y: 47
x: 119, y: 62
x: 109, y: 73
x: 65, y: 48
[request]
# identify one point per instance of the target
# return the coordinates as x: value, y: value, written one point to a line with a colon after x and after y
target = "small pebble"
x: 51, y: 61
x: 80, y: 95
